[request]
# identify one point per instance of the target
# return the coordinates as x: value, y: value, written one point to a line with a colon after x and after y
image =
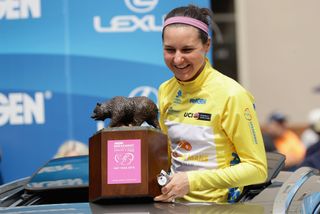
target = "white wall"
x: 278, y: 55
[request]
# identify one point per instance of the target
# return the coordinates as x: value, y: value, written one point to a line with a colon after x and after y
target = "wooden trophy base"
x: 124, y: 162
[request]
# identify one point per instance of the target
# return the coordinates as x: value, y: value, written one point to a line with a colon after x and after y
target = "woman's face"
x: 184, y: 53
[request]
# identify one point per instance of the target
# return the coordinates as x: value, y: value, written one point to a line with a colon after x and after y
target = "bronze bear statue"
x: 123, y: 111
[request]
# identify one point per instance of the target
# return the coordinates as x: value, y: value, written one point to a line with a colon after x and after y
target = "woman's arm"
x: 241, y: 125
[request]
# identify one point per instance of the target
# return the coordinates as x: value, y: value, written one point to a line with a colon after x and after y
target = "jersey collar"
x: 196, y: 84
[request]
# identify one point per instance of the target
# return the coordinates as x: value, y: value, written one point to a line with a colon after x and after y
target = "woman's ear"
x: 208, y: 45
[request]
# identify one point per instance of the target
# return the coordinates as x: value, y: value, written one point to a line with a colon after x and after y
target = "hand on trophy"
x: 177, y: 187
x: 163, y: 178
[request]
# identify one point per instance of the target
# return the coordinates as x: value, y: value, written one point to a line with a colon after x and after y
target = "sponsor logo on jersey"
x: 198, y: 116
x: 253, y: 132
x: 177, y: 99
x: 198, y: 101
x: 179, y: 94
x: 247, y: 114
x: 183, y: 146
x: 172, y: 111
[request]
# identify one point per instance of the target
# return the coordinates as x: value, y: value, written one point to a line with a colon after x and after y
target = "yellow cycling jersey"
x: 214, y: 135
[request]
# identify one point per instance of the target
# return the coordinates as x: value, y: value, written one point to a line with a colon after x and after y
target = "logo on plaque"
x: 124, y: 161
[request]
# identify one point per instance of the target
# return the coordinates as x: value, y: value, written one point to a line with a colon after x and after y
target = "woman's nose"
x: 178, y: 58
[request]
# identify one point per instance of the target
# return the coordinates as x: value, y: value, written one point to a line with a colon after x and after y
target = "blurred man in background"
x: 285, y: 140
x: 312, y: 158
x: 310, y: 136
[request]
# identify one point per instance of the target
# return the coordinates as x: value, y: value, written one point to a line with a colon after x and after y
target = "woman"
x: 216, y: 145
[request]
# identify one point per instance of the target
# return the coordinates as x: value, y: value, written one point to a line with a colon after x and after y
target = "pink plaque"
x: 124, y: 161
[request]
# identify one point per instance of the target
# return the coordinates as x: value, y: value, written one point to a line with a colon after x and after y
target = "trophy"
x: 125, y: 159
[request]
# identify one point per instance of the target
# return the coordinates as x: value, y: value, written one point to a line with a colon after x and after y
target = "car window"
x: 61, y: 180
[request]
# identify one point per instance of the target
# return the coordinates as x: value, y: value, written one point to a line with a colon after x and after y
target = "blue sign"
x: 58, y: 58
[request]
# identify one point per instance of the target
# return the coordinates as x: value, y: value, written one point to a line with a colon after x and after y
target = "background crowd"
x: 300, y: 145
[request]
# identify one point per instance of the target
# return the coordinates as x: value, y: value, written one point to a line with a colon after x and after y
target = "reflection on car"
x: 62, y: 186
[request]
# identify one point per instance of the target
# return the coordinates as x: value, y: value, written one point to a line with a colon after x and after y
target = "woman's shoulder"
x: 168, y: 84
x: 226, y: 84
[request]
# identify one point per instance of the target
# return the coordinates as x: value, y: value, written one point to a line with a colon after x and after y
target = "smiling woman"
x: 216, y: 144
x: 184, y: 53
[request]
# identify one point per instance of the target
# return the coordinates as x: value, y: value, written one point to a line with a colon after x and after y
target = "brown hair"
x: 195, y: 12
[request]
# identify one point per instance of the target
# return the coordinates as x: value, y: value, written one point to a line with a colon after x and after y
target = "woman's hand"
x: 176, y: 188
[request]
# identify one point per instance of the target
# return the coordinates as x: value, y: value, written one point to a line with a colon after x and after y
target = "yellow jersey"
x: 214, y: 135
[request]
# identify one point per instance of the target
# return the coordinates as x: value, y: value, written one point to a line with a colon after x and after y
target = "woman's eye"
x: 187, y: 50
x: 170, y: 50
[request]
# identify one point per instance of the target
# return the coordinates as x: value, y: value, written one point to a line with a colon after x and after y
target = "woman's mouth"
x: 181, y: 67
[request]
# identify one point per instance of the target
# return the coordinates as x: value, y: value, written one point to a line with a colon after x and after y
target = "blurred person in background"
x: 310, y: 136
x: 285, y: 140
x: 312, y: 158
x: 72, y: 148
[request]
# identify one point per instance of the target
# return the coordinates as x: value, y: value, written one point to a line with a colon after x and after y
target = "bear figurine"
x: 123, y: 111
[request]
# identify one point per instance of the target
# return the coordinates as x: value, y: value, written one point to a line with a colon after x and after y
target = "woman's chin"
x: 183, y: 78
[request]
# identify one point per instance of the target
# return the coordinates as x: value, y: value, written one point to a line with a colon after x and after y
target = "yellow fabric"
x: 225, y: 112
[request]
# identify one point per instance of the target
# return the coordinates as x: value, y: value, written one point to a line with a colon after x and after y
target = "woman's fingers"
x: 165, y: 198
x: 177, y: 187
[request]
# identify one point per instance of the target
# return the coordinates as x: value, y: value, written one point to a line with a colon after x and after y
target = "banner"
x: 58, y: 58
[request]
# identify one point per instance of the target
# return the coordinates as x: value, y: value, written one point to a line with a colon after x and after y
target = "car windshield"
x: 61, y: 180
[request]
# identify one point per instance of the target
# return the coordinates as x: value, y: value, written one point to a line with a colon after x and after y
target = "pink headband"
x: 186, y: 20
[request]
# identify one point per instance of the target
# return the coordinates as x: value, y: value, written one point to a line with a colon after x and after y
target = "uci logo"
x: 141, y: 6
x: 191, y: 115
x: 188, y: 114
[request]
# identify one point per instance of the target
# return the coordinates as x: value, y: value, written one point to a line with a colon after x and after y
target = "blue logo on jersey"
x: 177, y: 99
x: 179, y: 94
x: 197, y: 101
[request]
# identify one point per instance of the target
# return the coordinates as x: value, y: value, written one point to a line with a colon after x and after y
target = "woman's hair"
x: 202, y: 14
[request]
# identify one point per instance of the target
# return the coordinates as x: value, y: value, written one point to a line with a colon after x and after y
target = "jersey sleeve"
x: 162, y: 109
x: 161, y: 105
x: 239, y: 122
